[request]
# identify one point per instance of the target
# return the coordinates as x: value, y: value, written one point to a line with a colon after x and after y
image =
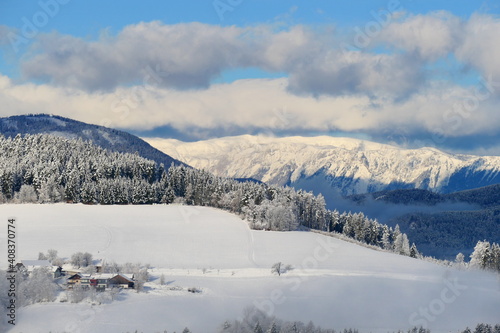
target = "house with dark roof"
x: 101, y: 281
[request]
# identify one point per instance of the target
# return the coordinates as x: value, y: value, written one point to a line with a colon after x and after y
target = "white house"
x: 29, y: 265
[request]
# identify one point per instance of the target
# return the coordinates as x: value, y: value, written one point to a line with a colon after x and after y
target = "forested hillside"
x: 45, y: 169
x: 440, y: 224
x: 487, y: 196
x: 450, y: 232
x: 107, y: 138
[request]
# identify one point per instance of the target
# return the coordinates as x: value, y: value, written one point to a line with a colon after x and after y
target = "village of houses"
x: 69, y: 276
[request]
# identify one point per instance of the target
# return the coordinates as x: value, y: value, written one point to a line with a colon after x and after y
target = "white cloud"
x: 181, y: 56
x: 261, y: 104
x: 185, y: 55
x: 355, y: 72
x: 192, y: 55
x: 430, y: 37
x: 474, y: 42
x: 138, y: 79
x: 480, y: 47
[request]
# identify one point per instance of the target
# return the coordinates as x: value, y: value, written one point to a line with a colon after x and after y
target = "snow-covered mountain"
x: 329, y: 164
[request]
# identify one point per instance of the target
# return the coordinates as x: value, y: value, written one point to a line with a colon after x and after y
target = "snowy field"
x: 334, y: 283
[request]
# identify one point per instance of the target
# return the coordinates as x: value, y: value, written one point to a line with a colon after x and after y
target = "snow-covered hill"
x: 111, y: 139
x: 334, y: 283
x: 328, y: 164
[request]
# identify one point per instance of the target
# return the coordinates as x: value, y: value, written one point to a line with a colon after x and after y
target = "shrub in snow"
x: 194, y: 290
x: 77, y: 294
x: 38, y: 287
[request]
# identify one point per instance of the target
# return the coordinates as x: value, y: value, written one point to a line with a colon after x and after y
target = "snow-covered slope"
x: 334, y: 283
x: 104, y: 137
x: 324, y: 164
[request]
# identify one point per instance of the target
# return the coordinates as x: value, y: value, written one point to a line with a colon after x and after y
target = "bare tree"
x: 81, y: 259
x: 52, y: 255
x: 276, y: 268
x: 279, y: 268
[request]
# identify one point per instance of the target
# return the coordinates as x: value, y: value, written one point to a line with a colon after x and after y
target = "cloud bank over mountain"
x: 414, y: 80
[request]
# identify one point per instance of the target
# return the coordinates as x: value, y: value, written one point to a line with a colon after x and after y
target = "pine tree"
x: 413, y: 251
x: 467, y: 330
x: 481, y: 256
x: 273, y: 328
x: 460, y: 260
x: 258, y: 328
x: 406, y: 246
x: 495, y: 257
x: 386, y: 238
x: 483, y: 328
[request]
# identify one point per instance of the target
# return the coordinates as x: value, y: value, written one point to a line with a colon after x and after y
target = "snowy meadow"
x: 334, y: 283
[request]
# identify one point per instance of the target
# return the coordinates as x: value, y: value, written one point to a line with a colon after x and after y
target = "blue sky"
x: 406, y: 72
x: 90, y: 19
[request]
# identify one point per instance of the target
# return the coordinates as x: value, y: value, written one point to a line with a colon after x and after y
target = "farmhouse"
x: 123, y: 281
x: 70, y: 270
x: 73, y: 279
x: 101, y: 281
x: 28, y: 266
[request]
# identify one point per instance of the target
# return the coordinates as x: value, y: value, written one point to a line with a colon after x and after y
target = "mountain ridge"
x: 345, y: 165
x: 108, y: 138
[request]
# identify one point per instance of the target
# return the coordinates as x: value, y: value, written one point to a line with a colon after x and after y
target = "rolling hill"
x: 104, y: 137
x: 334, y: 283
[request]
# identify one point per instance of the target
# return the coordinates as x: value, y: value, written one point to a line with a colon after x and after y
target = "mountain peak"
x: 107, y: 138
x: 331, y: 164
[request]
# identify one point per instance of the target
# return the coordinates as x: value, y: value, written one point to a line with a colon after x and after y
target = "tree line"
x: 486, y: 256
x: 255, y: 321
x: 45, y: 169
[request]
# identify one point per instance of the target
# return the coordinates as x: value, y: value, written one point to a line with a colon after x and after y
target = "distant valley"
x: 440, y: 224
